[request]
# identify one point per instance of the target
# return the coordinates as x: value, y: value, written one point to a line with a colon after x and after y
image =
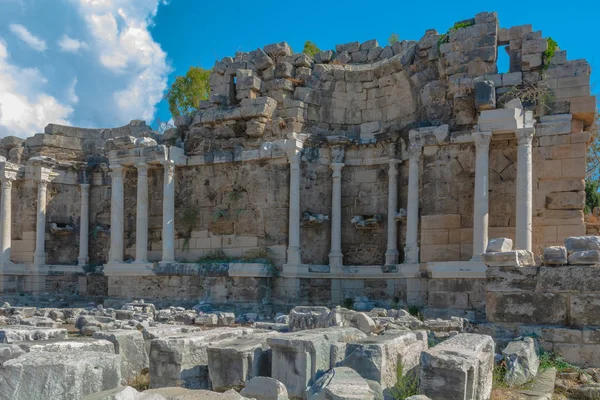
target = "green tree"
x: 310, y: 48
x: 393, y: 39
x: 186, y: 92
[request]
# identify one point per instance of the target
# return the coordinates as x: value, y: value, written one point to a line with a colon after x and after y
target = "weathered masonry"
x: 366, y: 171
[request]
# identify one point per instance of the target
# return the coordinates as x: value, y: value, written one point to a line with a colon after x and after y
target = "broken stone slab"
x: 264, y: 388
x: 99, y: 321
x: 120, y: 143
x: 69, y: 345
x: 207, y: 319
x: 514, y: 258
x: 271, y: 326
x: 555, y: 255
x: 303, y: 317
x: 9, y: 351
x: 582, y: 243
x: 459, y: 368
x: 145, y: 142
x: 232, y: 362
x: 341, y: 383
x: 522, y: 362
x: 418, y: 397
x: 343, y: 317
x: 586, y: 257
x: 225, y: 318
x: 59, y: 375
x: 498, y: 245
x: 132, y: 348
x: 179, y: 393
x: 122, y: 393
x: 183, y: 358
x: 377, y: 358
x: 18, y: 333
x: 298, y: 357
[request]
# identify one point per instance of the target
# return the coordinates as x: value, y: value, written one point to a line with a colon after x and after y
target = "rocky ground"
x: 140, y: 352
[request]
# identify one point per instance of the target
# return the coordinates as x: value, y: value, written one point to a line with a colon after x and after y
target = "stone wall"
x: 560, y: 305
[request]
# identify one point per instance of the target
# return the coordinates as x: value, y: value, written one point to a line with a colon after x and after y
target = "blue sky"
x: 101, y: 63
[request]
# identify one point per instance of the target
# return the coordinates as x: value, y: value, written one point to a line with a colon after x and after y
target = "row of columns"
x: 117, y: 216
x: 411, y: 250
x: 524, y: 197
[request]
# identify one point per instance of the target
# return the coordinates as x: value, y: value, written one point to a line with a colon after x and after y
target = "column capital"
x: 336, y: 168
x: 142, y: 167
x: 415, y: 150
x: 525, y: 136
x: 7, y: 183
x: 394, y: 166
x: 169, y: 166
x: 482, y: 139
x: 117, y: 170
x: 43, y: 183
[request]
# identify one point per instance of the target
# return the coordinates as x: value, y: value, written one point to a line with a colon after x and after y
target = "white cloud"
x: 25, y: 107
x: 102, y: 68
x: 70, y: 45
x: 33, y: 41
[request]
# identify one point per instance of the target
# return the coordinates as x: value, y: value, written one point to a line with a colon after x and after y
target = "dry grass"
x: 142, y: 381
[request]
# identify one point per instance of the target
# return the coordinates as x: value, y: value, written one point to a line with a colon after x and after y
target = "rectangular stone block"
x: 377, y: 357
x: 581, y: 355
x: 183, y: 358
x: 511, y: 279
x: 434, y: 236
x: 298, y: 357
x: 501, y: 120
x: 573, y: 168
x: 555, y: 255
x: 569, y: 279
x: 232, y: 362
x: 565, y: 200
x: 535, y: 308
x: 365, y: 176
x: 514, y: 258
x: 459, y: 368
x: 443, y: 221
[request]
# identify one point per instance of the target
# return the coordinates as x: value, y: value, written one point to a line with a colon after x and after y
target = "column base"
x: 293, y: 255
x: 336, y: 260
x: 82, y: 261
x: 411, y: 255
x: 391, y: 257
x: 293, y: 270
x: 129, y: 269
x: 39, y: 260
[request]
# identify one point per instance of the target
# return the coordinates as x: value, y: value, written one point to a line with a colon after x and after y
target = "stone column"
x: 116, y: 214
x: 39, y: 257
x: 411, y: 250
x: 480, y: 196
x: 84, y: 225
x: 391, y: 254
x: 335, y: 254
x: 6, y: 217
x: 293, y: 250
x: 141, y: 227
x: 168, y: 234
x: 524, y: 189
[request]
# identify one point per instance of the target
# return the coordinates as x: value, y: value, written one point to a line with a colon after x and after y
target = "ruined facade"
x: 368, y: 171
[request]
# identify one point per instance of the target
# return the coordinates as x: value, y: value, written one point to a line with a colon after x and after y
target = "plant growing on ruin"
x: 394, y: 38
x: 235, y: 195
x: 190, y: 215
x: 310, y: 48
x: 549, y: 53
x: 406, y: 385
x: 593, y: 156
x: 141, y: 382
x: 348, y: 303
x: 185, y: 93
x: 214, y: 256
x: 445, y: 37
x: 553, y: 360
x: 535, y: 95
x: 415, y: 311
x: 220, y: 214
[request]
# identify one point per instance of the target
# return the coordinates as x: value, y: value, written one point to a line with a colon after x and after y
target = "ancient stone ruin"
x: 412, y: 176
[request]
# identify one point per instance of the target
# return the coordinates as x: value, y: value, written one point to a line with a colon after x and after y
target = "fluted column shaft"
x: 5, y: 210
x: 168, y: 239
x: 524, y: 189
x: 293, y: 251
x: 117, y: 214
x: 391, y: 254
x: 141, y: 227
x: 335, y: 254
x: 411, y: 250
x: 480, y: 197
x: 84, y: 225
x: 39, y: 257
